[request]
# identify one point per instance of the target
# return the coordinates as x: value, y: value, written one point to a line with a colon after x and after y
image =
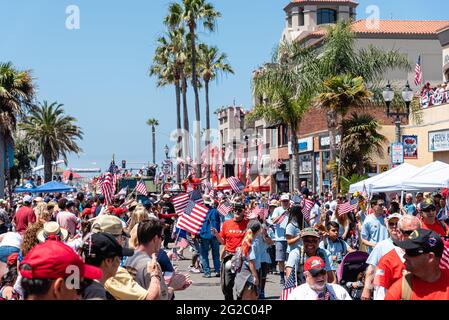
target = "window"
x: 274, y: 138
x: 284, y: 135
x: 326, y: 16
x: 289, y: 21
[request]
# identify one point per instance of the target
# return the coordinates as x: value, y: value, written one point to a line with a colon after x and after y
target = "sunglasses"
x: 392, y: 224
x: 381, y: 204
x: 414, y: 252
x: 407, y: 232
x: 321, y: 273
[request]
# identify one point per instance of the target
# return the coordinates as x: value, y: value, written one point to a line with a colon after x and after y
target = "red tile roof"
x: 324, y: 1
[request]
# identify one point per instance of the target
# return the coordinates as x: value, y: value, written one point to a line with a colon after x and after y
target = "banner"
x: 410, y: 146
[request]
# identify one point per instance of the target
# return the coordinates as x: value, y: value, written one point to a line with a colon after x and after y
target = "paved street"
x: 209, y: 288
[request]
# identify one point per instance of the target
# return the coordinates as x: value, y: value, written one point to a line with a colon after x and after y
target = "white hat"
x: 394, y: 215
x: 285, y: 197
x: 52, y: 229
x: 27, y: 199
x: 38, y: 199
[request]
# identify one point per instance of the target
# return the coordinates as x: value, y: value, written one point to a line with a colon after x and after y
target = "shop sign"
x: 439, y: 141
x: 410, y: 147
x: 397, y: 153
x: 325, y: 141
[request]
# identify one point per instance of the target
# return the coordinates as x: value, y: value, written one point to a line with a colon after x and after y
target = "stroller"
x: 351, y: 273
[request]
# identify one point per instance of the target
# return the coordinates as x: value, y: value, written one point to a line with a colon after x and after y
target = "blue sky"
x: 99, y: 72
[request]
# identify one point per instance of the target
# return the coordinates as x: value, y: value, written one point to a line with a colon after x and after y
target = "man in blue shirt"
x: 279, y: 219
x: 409, y: 206
x: 374, y: 229
x: 208, y: 240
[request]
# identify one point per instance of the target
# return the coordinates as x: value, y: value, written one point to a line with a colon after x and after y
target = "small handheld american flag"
x: 193, y: 218
x: 347, y: 207
x: 224, y: 208
x: 180, y: 202
x: 444, y: 262
x: 197, y: 196
x: 307, y: 206
x: 235, y: 184
x: 290, y: 285
x: 142, y: 188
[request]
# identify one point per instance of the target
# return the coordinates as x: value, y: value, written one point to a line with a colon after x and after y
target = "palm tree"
x: 54, y: 132
x: 193, y: 12
x: 211, y: 63
x: 360, y: 141
x: 168, y: 66
x: 278, y: 84
x: 338, y: 57
x: 16, y: 94
x: 153, y: 123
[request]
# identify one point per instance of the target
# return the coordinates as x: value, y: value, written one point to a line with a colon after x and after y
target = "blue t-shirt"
x: 212, y: 221
x: 381, y: 249
x: 293, y: 231
x: 294, y: 261
x: 279, y: 228
x: 374, y: 229
x: 337, y: 249
x: 410, y: 208
x: 259, y: 252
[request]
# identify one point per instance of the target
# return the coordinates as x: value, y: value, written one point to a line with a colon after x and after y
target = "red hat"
x: 12, y: 259
x: 86, y: 212
x: 314, y: 265
x: 51, y: 259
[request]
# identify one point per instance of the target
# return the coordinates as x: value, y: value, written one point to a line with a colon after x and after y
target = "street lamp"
x: 407, y: 96
x: 166, y: 150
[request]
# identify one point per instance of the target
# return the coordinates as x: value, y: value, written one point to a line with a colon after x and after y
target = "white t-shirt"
x: 304, y: 292
x: 315, y: 214
x: 11, y: 239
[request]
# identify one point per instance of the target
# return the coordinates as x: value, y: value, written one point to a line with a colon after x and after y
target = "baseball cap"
x: 108, y: 224
x: 393, y: 216
x: 27, y: 199
x: 314, y: 265
x: 422, y: 241
x: 285, y: 197
x: 309, y: 232
x: 274, y: 203
x: 51, y: 259
x: 106, y: 246
x: 427, y: 204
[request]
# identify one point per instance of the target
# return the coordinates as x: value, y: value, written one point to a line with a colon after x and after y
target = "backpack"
x: 407, y: 287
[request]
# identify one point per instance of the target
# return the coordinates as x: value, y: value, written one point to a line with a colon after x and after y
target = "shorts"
x: 281, y: 251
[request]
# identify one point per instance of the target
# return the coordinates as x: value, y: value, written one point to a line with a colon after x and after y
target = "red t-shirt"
x: 436, y: 226
x: 438, y: 290
x: 233, y: 233
x: 389, y: 269
x: 23, y: 218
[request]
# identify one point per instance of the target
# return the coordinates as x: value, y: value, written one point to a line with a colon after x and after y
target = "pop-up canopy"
x: 223, y: 185
x: 433, y: 176
x: 393, y: 182
x: 54, y: 186
x: 260, y: 184
x: 367, y: 184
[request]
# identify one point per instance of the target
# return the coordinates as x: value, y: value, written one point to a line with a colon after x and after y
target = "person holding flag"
x: 279, y: 221
x: 208, y: 241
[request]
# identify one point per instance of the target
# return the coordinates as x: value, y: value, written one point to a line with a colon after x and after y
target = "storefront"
x: 324, y: 176
x: 306, y: 159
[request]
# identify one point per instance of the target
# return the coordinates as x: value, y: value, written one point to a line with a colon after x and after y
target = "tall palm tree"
x: 278, y: 84
x: 194, y: 12
x: 53, y: 131
x: 360, y: 141
x: 211, y: 64
x: 168, y: 65
x: 153, y: 123
x: 16, y: 94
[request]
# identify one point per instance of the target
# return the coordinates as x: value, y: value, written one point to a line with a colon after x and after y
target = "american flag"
x: 347, y: 207
x: 197, y: 196
x: 180, y: 202
x: 113, y: 169
x: 193, y: 218
x: 106, y: 188
x: 290, y: 285
x: 224, y: 208
x: 235, y: 184
x: 260, y: 212
x: 307, y: 206
x: 444, y: 262
x: 142, y: 188
x: 418, y: 72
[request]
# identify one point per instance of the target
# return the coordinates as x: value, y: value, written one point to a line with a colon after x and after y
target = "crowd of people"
x: 64, y: 246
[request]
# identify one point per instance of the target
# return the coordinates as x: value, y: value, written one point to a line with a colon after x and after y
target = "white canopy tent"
x: 394, y: 172
x: 393, y: 182
x: 433, y: 176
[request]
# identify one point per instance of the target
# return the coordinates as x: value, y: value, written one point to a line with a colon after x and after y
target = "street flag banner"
x: 290, y: 285
x: 418, y: 72
x: 193, y: 218
x: 235, y: 184
x: 307, y: 206
x: 180, y: 202
x: 142, y: 188
x: 347, y: 207
x: 224, y: 208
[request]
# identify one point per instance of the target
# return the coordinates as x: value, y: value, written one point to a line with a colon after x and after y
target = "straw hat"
x: 52, y: 229
x: 208, y: 200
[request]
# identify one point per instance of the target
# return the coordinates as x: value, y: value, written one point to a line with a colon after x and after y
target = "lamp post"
x: 166, y: 151
x: 407, y: 96
x: 247, y: 167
